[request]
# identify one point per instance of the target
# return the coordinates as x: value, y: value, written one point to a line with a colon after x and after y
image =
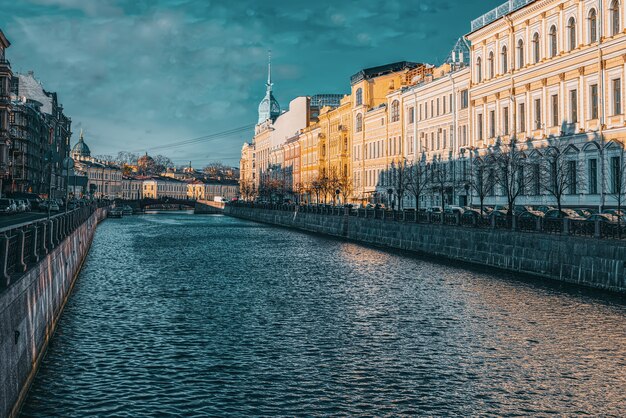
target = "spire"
x: 81, y: 139
x: 269, y: 70
x: 268, y: 108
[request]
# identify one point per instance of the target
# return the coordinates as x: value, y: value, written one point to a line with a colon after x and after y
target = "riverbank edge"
x: 594, y: 263
x: 30, y: 310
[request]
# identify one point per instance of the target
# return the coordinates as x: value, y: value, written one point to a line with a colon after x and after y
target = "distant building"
x: 5, y: 109
x: 158, y: 187
x: 104, y: 179
x: 40, y: 138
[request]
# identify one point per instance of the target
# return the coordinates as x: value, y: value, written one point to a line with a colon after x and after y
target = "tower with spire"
x: 268, y: 108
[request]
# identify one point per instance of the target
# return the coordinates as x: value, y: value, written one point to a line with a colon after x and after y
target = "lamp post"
x: 68, y: 164
x: 48, y: 159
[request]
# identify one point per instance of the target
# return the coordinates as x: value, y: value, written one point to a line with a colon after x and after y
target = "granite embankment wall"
x: 30, y: 309
x: 585, y: 261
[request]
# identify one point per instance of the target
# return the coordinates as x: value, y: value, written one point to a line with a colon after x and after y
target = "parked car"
x: 563, y: 213
x: 531, y: 214
x: 585, y: 213
x: 7, y: 206
x: 454, y: 209
x: 544, y: 209
x: 603, y: 217
x: 20, y: 206
x: 54, y: 207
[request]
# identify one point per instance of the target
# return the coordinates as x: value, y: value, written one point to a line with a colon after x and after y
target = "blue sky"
x: 135, y: 74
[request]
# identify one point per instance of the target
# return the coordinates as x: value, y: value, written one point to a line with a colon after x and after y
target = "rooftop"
x: 374, y: 72
x: 491, y: 16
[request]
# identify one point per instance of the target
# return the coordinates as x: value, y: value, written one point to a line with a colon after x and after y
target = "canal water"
x: 183, y: 315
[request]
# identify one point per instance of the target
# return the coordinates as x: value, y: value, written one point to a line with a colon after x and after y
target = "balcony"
x: 5, y: 66
x: 499, y: 12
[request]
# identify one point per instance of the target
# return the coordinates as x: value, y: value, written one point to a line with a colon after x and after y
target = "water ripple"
x: 176, y: 315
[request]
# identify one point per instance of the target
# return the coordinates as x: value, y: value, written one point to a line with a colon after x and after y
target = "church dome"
x: 81, y: 150
x: 145, y: 161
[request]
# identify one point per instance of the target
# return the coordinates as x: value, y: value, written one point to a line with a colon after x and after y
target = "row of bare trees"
x: 508, y: 172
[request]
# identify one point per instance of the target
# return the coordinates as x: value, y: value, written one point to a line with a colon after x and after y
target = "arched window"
x: 359, y: 96
x: 553, y: 42
x: 479, y: 70
x: 395, y: 111
x: 505, y: 60
x: 536, y: 48
x: 571, y: 33
x: 520, y: 53
x: 359, y: 123
x: 491, y: 65
x: 615, y: 17
x: 593, y: 26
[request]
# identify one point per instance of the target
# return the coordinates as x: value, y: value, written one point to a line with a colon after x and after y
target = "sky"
x: 140, y: 74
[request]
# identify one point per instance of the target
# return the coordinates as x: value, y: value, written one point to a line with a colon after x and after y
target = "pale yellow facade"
x: 551, y: 70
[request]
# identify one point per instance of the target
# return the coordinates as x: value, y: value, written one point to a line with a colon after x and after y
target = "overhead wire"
x: 206, y: 138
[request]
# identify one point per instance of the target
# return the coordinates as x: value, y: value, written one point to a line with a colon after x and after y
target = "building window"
x: 522, y: 117
x: 536, y: 48
x: 555, y: 110
x: 573, y: 106
x: 520, y: 54
x: 593, y: 26
x: 444, y: 105
x: 359, y: 123
x: 615, y: 18
x: 571, y: 33
x: 553, y: 42
x: 437, y: 106
x: 617, y: 96
x: 464, y: 99
x: 593, y: 175
x: 505, y: 60
x: 359, y: 96
x: 616, y: 175
x: 411, y: 115
x: 593, y: 93
x: 491, y: 65
x: 492, y: 123
x: 480, y: 127
x: 572, y: 171
x: 537, y: 113
x: 479, y: 70
x: 505, y: 120
x: 395, y: 111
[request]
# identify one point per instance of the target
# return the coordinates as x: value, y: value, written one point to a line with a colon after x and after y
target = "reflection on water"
x: 187, y: 315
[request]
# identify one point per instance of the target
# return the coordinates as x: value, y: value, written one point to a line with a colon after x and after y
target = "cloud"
x: 186, y: 68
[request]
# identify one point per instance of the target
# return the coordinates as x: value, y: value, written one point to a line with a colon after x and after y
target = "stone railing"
x: 561, y: 226
x: 23, y: 245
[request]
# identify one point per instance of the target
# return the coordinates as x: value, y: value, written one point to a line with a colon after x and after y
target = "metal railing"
x: 499, y: 12
x: 561, y: 226
x: 23, y: 245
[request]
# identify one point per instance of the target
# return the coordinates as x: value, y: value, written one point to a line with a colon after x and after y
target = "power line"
x: 200, y: 139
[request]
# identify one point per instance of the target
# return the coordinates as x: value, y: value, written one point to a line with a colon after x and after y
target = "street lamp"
x: 48, y: 159
x: 68, y: 164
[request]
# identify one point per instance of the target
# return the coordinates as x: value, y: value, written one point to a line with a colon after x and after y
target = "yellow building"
x: 371, y: 115
x: 547, y: 71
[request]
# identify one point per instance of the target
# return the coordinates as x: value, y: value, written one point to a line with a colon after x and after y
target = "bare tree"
x: 161, y: 163
x: 511, y: 172
x: 345, y: 186
x: 440, y: 180
x: 417, y: 180
x: 214, y: 169
x: 561, y: 171
x: 483, y: 179
x: 398, y: 172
